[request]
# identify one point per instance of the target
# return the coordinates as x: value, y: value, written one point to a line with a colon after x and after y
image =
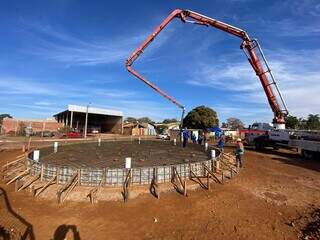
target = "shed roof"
x: 93, y: 110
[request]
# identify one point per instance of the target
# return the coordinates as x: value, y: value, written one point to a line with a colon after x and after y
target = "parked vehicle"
x: 163, y: 136
x: 47, y: 134
x: 72, y: 135
x: 306, y: 142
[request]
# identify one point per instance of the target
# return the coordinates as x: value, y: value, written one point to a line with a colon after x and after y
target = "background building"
x: 99, y: 120
x: 19, y: 126
x: 139, y: 129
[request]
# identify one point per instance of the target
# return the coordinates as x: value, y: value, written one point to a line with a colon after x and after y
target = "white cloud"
x: 236, y: 76
x: 297, y: 72
x: 36, y: 87
x: 57, y: 45
x: 18, y: 86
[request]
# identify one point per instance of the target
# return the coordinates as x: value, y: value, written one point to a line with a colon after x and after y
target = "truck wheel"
x: 258, y: 146
x: 307, y: 154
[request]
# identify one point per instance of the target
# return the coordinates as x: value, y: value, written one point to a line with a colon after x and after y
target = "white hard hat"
x: 239, y: 140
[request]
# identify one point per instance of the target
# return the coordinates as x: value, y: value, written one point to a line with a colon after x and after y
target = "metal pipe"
x: 86, y: 121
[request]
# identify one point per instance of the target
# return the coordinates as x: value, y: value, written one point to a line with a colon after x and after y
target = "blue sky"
x: 55, y: 53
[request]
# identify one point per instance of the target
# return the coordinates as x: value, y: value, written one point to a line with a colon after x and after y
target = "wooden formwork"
x: 126, y: 185
x: 29, y: 183
x: 19, y: 175
x: 179, y: 185
x: 10, y: 168
x: 228, y: 161
x: 154, y: 184
x: 63, y: 192
x: 93, y: 195
x: 45, y: 186
x: 212, y: 174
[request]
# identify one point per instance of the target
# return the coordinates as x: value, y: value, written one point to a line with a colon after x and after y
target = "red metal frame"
x: 247, y: 45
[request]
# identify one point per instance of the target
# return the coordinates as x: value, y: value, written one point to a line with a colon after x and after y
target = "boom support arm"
x: 248, y: 45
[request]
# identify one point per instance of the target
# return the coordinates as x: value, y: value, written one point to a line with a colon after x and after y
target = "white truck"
x: 306, y: 142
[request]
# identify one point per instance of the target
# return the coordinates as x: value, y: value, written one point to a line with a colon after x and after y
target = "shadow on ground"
x: 292, y: 157
x: 63, y: 232
x: 12, y: 225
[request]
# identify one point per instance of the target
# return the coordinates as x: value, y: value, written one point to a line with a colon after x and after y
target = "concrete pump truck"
x: 307, y: 142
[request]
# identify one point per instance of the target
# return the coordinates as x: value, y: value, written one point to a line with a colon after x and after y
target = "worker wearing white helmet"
x: 239, y: 152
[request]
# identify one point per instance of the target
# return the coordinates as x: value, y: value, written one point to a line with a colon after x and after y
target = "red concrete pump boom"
x: 248, y: 45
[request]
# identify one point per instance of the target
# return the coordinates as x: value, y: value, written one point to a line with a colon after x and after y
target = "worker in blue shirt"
x: 221, y: 143
x: 186, y: 135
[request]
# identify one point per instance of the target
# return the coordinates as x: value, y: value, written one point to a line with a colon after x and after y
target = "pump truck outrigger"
x: 248, y: 45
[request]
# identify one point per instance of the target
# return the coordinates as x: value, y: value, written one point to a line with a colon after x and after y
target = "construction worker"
x: 186, y: 135
x: 205, y: 136
x: 193, y: 138
x: 200, y: 137
x: 221, y: 143
x: 239, y: 152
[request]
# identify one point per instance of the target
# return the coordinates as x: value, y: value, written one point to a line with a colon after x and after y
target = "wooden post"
x: 67, y: 188
x: 51, y: 181
x: 217, y: 163
x: 18, y: 176
x: 154, y: 184
x: 57, y: 174
x: 185, y: 188
x: 41, y: 173
x: 29, y: 183
x: 79, y: 177
x: 29, y: 143
x: 176, y: 178
x: 126, y: 185
x: 212, y: 173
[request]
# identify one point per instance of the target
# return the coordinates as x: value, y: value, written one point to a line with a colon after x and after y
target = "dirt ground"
x: 112, y: 154
x: 275, y: 196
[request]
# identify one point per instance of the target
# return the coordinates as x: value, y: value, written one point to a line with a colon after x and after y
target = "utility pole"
x: 86, y: 122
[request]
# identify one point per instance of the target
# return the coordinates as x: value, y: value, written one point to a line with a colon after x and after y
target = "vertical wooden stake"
x: 184, y: 188
x: 57, y: 173
x: 79, y: 177
x: 41, y: 173
x: 29, y: 142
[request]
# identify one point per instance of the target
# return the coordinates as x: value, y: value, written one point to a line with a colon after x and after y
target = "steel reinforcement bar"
x: 115, y: 177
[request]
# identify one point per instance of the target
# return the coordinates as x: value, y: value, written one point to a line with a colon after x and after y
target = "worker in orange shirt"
x: 239, y: 152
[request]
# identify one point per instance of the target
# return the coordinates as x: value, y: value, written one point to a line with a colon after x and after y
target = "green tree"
x: 201, y: 117
x: 224, y: 125
x: 145, y: 120
x: 235, y: 123
x: 313, y: 122
x: 170, y: 120
x: 292, y: 122
x: 302, y: 123
x: 131, y: 120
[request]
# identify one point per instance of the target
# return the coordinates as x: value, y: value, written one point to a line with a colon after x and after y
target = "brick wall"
x: 12, y: 125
